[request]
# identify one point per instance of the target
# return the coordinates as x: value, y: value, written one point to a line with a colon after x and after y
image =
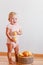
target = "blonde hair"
x: 11, y: 14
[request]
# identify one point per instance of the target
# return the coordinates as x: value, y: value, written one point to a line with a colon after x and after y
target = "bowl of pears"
x: 25, y: 57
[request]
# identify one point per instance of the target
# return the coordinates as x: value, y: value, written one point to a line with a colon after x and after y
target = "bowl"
x: 25, y: 60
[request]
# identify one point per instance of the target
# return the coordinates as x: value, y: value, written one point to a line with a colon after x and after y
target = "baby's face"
x: 13, y: 19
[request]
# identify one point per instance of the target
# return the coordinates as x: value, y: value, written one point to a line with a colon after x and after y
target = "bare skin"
x: 13, y: 20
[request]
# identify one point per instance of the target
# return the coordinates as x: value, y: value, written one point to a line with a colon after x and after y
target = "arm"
x: 19, y: 32
x: 9, y: 34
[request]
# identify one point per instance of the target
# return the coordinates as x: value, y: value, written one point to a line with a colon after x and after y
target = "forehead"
x: 14, y: 16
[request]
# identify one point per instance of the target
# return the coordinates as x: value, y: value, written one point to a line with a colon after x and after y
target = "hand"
x: 14, y: 39
x: 19, y: 32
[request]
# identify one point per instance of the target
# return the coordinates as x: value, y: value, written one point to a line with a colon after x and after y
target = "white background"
x: 30, y: 16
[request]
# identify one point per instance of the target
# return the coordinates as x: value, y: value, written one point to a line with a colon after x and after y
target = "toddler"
x: 12, y: 31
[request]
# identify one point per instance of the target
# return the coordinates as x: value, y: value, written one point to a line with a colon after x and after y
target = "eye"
x: 12, y: 18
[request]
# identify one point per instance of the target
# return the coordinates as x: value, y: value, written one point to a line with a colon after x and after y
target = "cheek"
x: 10, y: 19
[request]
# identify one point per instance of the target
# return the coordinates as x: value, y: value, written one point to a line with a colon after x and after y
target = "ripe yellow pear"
x: 30, y: 54
x: 20, y: 54
x: 27, y: 53
x: 15, y: 33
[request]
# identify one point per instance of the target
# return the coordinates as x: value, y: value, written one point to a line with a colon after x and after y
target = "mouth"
x: 14, y: 21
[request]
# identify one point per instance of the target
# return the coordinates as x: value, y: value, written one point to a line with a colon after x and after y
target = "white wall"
x: 30, y: 14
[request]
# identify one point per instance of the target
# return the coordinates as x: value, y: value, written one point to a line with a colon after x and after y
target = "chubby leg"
x: 9, y: 47
x: 16, y: 49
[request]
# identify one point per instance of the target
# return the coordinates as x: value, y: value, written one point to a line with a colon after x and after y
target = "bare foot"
x: 12, y: 62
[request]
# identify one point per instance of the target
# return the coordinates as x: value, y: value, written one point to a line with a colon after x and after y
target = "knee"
x: 9, y: 47
x: 9, y: 51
